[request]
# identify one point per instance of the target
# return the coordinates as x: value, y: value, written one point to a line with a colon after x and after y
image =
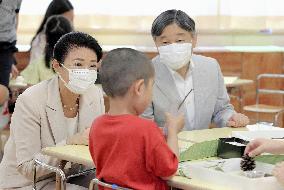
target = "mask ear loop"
x: 60, y: 77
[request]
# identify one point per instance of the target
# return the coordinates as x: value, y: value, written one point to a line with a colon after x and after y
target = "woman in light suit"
x: 55, y: 112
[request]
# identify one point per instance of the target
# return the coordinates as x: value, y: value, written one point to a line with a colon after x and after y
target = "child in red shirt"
x: 128, y: 150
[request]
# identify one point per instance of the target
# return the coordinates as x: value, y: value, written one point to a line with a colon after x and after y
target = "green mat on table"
x: 208, y: 149
x: 200, y: 150
x: 270, y: 159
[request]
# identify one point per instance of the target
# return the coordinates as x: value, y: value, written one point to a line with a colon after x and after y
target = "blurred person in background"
x: 9, y: 14
x: 38, y: 43
x: 4, y: 113
x: 55, y: 27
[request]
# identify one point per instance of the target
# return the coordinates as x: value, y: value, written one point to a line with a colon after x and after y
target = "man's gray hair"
x: 169, y: 17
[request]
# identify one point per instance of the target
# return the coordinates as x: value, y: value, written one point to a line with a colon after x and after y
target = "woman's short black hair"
x: 75, y: 40
x: 56, y: 26
x: 56, y: 7
x: 169, y: 17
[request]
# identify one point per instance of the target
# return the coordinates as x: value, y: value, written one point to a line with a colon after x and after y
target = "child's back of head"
x: 121, y: 68
x: 127, y: 74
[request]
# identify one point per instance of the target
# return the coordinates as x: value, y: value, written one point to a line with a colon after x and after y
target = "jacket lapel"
x: 54, y: 111
x: 165, y: 82
x: 199, y: 77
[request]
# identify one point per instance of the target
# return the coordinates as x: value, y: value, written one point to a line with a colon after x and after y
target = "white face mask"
x: 175, y: 55
x: 80, y: 80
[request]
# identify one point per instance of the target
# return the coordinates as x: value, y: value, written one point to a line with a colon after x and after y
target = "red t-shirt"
x: 131, y: 152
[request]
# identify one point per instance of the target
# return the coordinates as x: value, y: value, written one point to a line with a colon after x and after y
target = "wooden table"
x: 232, y: 82
x: 80, y: 154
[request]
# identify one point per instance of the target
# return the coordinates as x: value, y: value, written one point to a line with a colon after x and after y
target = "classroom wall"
x: 239, y: 63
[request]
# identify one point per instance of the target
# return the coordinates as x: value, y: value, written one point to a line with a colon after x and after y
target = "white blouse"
x: 72, y: 125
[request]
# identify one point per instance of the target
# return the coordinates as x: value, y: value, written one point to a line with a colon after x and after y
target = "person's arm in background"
x: 4, y: 94
x: 17, y: 20
x: 14, y: 69
x: 259, y: 146
x: 224, y: 114
x: 19, y: 2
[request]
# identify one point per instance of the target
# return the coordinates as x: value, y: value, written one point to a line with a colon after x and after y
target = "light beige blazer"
x: 38, y: 122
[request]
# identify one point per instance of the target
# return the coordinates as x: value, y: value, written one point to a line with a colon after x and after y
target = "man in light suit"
x: 187, y: 83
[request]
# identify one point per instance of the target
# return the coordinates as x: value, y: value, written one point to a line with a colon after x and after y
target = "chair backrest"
x: 95, y: 183
x: 267, y: 90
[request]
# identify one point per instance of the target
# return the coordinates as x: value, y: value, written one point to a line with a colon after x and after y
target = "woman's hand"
x: 258, y: 146
x: 81, y: 138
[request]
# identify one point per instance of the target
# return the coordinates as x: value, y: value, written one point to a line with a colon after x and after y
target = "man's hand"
x: 238, y: 120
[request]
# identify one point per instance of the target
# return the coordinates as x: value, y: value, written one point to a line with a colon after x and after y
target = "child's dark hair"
x: 75, y: 40
x: 123, y: 66
x: 56, y: 26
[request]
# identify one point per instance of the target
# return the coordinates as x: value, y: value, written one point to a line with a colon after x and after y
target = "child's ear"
x: 55, y: 65
x: 99, y: 64
x: 139, y: 87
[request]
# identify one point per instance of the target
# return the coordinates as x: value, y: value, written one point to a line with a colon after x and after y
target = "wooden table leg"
x: 58, y: 182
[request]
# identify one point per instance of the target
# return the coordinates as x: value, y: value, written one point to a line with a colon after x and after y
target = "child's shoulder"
x: 149, y: 125
x: 98, y: 121
x: 146, y: 122
x: 99, y: 118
